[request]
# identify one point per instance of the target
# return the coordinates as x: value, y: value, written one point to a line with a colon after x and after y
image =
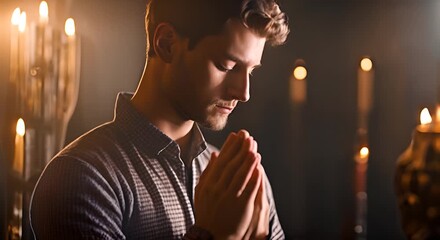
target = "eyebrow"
x: 235, y: 59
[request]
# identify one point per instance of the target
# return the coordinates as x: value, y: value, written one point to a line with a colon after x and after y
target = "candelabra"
x: 44, y: 83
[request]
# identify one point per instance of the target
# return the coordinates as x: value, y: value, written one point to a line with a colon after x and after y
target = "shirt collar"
x: 147, y: 136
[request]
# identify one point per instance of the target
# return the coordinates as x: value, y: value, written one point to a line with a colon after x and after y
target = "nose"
x: 238, y: 87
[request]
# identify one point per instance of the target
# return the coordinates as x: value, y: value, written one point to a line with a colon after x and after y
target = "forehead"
x: 235, y: 40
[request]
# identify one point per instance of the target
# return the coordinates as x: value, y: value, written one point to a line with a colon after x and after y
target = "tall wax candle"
x: 365, y: 85
x: 15, y: 21
x: 22, y: 40
x: 19, y: 147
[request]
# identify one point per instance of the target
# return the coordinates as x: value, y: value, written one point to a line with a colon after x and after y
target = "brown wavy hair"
x: 196, y: 19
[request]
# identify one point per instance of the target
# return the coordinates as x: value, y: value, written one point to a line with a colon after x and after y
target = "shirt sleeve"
x: 72, y: 200
x: 275, y: 229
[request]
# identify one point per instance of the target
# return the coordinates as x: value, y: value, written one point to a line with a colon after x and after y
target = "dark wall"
x: 308, y: 151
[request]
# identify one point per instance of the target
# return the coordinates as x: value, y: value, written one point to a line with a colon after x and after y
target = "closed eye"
x: 223, y: 68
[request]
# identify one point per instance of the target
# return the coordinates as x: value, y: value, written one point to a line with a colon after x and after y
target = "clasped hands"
x: 230, y: 199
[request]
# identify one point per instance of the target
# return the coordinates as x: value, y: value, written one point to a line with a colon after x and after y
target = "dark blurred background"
x: 307, y: 151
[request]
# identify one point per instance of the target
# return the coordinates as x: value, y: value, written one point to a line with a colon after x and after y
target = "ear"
x: 165, y: 38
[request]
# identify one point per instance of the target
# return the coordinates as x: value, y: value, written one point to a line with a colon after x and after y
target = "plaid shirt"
x: 122, y: 180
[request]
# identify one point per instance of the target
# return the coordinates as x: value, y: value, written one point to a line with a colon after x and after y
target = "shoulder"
x: 72, y: 198
x: 86, y: 169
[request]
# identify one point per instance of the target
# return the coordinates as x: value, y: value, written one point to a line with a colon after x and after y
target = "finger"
x: 205, y: 175
x: 243, y: 133
x: 264, y: 185
x: 251, y: 188
x: 245, y: 157
x: 229, y: 150
x: 255, y: 146
x: 257, y: 217
x: 244, y: 186
x: 225, y: 171
x: 261, y: 191
x: 250, y: 232
x: 259, y: 228
x: 208, y: 169
x: 264, y: 216
x: 246, y: 178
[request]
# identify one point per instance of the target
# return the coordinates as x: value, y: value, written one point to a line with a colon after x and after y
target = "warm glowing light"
x: 20, y: 129
x: 300, y: 73
x: 44, y: 12
x: 364, y: 152
x: 425, y: 117
x: 70, y: 27
x: 22, y: 23
x: 366, y: 64
x: 15, y: 19
x: 437, y: 113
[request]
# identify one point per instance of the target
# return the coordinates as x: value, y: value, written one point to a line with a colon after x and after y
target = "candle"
x: 71, y: 48
x: 15, y: 21
x: 69, y: 85
x: 361, y: 159
x: 363, y: 155
x: 22, y: 22
x: 425, y: 121
x: 19, y: 147
x: 44, y: 13
x: 40, y: 33
x: 71, y: 64
x: 21, y: 61
x: 298, y: 87
x: 365, y: 90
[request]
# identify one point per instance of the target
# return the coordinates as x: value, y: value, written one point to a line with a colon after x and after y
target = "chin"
x: 215, y: 123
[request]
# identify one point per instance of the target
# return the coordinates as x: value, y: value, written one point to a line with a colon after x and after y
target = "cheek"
x: 207, y: 80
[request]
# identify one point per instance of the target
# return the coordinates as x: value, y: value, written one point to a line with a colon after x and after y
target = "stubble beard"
x: 214, y: 121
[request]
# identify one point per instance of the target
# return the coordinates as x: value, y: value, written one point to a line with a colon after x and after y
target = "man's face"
x: 207, y: 82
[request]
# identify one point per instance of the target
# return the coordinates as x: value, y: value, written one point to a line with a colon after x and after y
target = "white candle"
x: 41, y: 32
x: 365, y: 86
x: 15, y: 21
x: 21, y: 60
x: 71, y: 48
x: 44, y: 13
x: 69, y: 68
x: 298, y: 85
x: 19, y: 147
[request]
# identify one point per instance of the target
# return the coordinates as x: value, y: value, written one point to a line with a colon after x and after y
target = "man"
x: 140, y: 175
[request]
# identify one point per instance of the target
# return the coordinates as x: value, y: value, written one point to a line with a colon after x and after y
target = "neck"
x: 153, y: 103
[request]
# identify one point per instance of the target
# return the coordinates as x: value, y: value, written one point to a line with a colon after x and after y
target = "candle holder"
x: 44, y: 81
x: 417, y: 184
x: 45, y: 70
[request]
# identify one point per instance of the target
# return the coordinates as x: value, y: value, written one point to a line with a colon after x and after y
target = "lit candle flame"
x: 20, y: 129
x: 364, y: 152
x: 366, y: 64
x: 300, y: 73
x: 22, y: 23
x: 15, y: 19
x: 425, y: 117
x: 69, y: 27
x: 44, y: 12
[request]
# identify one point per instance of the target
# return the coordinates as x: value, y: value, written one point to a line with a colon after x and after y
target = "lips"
x: 225, y: 109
